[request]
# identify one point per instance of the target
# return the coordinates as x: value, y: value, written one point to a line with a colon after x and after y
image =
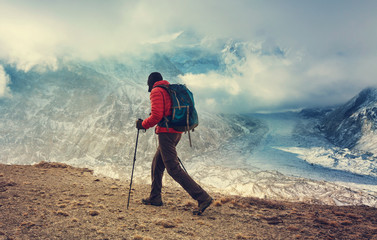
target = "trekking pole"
x: 182, y: 165
x: 133, y: 166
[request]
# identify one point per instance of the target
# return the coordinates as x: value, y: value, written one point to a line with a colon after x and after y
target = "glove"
x: 139, y: 124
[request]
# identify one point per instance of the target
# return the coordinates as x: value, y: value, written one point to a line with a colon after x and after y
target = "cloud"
x: 38, y: 31
x: 328, y: 46
x: 257, y: 77
x: 4, y: 82
x: 27, y: 38
x: 252, y: 80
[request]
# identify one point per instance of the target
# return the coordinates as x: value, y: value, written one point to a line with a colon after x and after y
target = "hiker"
x: 166, y: 154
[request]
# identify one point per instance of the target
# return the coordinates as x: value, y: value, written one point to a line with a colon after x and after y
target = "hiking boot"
x: 148, y: 201
x: 203, y: 206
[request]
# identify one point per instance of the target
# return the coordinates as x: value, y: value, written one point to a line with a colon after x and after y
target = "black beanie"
x: 153, y: 78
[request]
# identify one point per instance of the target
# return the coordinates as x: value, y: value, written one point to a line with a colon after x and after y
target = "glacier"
x: 83, y: 114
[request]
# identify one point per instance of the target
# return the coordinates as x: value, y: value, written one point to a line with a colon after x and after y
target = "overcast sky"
x: 330, y: 46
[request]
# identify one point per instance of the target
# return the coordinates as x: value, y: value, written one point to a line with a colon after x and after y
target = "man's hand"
x: 139, y: 124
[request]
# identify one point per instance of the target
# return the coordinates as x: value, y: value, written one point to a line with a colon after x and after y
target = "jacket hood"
x: 162, y: 82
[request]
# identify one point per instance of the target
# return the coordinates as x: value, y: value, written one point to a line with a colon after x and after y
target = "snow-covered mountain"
x: 353, y: 125
x: 84, y: 114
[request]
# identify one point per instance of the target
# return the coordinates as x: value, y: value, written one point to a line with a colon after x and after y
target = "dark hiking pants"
x: 166, y: 157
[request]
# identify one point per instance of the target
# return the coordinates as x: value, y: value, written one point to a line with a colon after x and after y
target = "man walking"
x: 166, y: 154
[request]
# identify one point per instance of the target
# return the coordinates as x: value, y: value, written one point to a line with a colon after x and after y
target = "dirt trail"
x: 56, y: 201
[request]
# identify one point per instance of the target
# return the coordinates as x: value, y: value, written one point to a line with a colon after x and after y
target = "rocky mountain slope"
x: 84, y: 114
x: 353, y: 125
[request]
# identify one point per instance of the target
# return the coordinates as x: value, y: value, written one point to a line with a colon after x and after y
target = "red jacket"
x: 160, y: 107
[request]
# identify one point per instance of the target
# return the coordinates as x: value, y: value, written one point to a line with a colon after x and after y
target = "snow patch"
x: 335, y: 158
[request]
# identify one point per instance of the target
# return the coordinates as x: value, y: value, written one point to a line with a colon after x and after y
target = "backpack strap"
x: 164, y: 119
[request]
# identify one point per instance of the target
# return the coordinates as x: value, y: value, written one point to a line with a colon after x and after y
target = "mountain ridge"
x: 349, y: 124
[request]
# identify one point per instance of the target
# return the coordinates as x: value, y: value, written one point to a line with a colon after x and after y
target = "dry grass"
x: 93, y: 213
x: 217, y: 203
x: 239, y: 204
x: 27, y: 224
x: 189, y: 204
x: 353, y: 216
x: 346, y: 222
x: 165, y: 223
x: 322, y: 220
x: 334, y: 223
x: 201, y: 222
x: 337, y: 213
x: 62, y: 206
x: 293, y: 228
x: 138, y: 237
x: 224, y: 200
x: 241, y: 236
x: 61, y: 213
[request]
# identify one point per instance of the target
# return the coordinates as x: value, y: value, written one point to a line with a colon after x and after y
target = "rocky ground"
x: 56, y: 201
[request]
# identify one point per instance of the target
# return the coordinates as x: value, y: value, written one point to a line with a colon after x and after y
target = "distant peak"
x: 367, y: 95
x: 369, y: 91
